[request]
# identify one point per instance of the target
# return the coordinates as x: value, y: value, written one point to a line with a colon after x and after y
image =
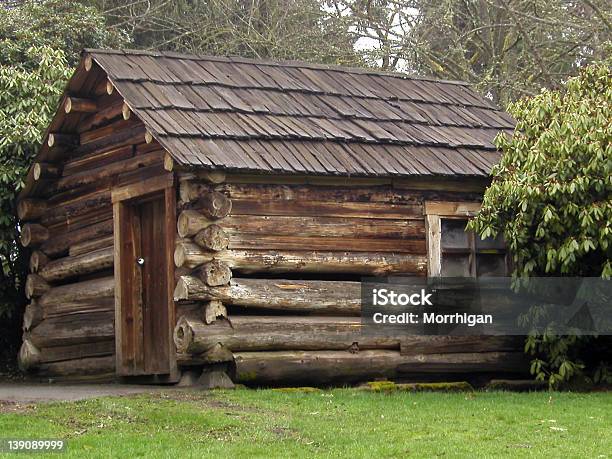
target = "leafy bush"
x: 551, y: 197
x: 39, y: 42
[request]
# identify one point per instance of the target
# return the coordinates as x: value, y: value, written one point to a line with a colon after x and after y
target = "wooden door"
x: 144, y: 315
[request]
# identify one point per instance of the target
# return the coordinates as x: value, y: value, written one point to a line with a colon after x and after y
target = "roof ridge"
x: 276, y: 63
x: 490, y: 107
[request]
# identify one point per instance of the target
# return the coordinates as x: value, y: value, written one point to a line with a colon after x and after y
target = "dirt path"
x: 34, y: 393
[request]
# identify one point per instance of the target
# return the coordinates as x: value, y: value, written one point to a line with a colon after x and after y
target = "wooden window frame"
x: 435, y: 211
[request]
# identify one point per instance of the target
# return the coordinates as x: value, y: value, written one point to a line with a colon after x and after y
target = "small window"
x: 455, y: 252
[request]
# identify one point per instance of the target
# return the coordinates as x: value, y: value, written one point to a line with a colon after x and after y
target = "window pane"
x: 490, y: 243
x: 455, y: 265
x: 453, y: 234
x: 490, y: 265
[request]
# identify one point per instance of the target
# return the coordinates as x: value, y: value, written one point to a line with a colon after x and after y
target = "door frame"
x: 121, y: 197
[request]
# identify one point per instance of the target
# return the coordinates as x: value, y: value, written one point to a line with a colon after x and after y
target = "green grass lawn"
x: 335, y: 423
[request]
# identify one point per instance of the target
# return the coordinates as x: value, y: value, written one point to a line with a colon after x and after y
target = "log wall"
x: 270, y: 274
x: 67, y: 221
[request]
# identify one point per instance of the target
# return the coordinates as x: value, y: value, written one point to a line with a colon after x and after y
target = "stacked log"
x: 73, y: 345
x: 332, y: 367
x: 73, y: 329
x: 90, y: 369
x: 31, y: 356
x: 236, y: 239
x: 270, y: 333
x: 326, y: 297
x: 191, y: 255
x: 74, y: 266
x: 212, y: 273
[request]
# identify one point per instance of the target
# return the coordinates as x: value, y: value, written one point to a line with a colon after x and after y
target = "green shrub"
x: 551, y: 197
x: 39, y: 44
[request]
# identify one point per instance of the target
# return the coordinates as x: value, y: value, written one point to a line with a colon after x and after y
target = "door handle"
x: 140, y: 261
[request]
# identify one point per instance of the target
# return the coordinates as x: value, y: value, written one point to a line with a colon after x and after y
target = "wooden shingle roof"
x: 272, y: 117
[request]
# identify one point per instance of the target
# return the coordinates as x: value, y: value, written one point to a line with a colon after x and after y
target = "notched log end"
x: 214, y: 205
x: 213, y: 238
x: 179, y: 256
x: 88, y: 63
x: 215, y: 177
x: 168, y: 162
x: 31, y: 209
x: 36, y: 171
x: 215, y: 273
x: 29, y: 356
x: 183, y: 335
x: 214, y: 310
x: 33, y: 234
x: 126, y: 111
x: 181, y: 292
x: 35, y: 286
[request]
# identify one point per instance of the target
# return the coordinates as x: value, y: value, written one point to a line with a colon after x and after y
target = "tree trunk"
x: 73, y: 205
x: 60, y: 141
x: 190, y: 222
x: 79, y: 307
x: 29, y: 356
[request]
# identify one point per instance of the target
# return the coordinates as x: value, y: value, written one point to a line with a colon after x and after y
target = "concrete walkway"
x: 33, y: 392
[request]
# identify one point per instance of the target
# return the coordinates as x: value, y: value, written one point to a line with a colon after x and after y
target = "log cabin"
x: 215, y: 216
